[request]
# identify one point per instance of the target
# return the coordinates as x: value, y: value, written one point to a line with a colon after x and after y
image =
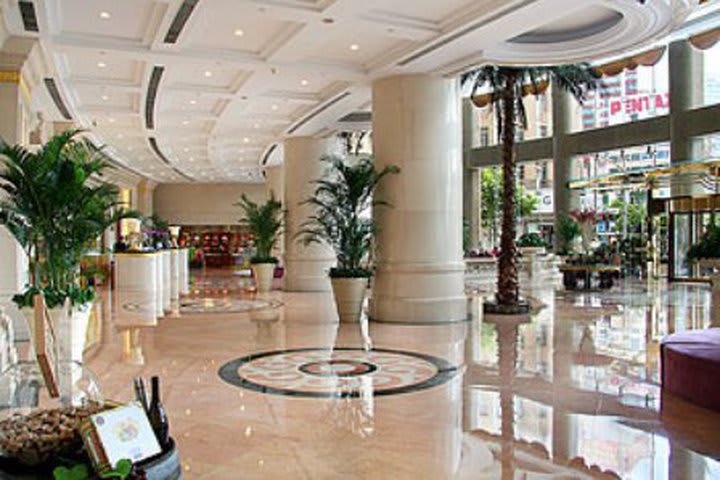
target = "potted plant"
x: 531, y: 243
x: 56, y: 205
x: 264, y: 221
x: 342, y: 201
x: 707, y: 250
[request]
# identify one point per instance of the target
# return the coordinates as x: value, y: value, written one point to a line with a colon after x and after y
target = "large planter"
x: 263, y: 273
x: 349, y: 296
x: 70, y: 332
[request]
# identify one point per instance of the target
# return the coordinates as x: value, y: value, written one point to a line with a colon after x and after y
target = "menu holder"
x: 44, y: 345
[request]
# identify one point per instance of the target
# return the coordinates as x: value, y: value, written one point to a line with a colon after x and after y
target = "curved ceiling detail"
x: 589, y: 21
x: 216, y: 83
x: 590, y: 27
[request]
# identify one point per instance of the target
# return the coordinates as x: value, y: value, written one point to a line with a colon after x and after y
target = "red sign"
x: 640, y: 103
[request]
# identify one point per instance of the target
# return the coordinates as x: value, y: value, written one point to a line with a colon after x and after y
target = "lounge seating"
x: 691, y: 366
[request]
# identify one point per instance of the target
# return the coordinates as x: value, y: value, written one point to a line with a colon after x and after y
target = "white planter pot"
x: 532, y: 250
x: 349, y: 296
x: 70, y: 331
x: 263, y: 273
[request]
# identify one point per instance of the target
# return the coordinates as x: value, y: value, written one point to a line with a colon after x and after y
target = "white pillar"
x: 14, y: 263
x: 275, y: 185
x: 420, y: 272
x: 306, y: 266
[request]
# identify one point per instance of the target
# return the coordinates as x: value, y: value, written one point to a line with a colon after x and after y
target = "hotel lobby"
x: 360, y: 240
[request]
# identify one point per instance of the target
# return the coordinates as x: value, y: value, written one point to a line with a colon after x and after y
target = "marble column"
x: 564, y: 199
x: 686, y: 90
x: 14, y: 270
x: 275, y: 185
x: 306, y: 265
x: 420, y: 272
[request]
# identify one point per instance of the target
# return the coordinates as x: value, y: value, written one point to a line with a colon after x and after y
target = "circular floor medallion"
x: 225, y: 305
x: 340, y: 372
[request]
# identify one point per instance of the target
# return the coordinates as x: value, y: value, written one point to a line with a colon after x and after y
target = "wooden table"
x: 586, y: 273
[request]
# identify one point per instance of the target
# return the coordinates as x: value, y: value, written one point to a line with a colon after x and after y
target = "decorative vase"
x: 349, y: 296
x: 263, y: 273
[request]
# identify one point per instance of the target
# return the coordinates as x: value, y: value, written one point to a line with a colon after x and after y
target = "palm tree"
x: 507, y: 86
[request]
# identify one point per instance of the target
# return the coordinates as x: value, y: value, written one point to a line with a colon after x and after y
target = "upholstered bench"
x: 691, y: 366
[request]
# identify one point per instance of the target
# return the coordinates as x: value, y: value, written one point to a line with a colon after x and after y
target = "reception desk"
x: 138, y: 280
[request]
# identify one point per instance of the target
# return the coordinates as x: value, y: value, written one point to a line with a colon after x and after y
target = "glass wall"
x: 627, y: 97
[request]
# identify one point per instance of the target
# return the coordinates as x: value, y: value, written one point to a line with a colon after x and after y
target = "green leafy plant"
x: 568, y: 231
x: 708, y: 246
x: 56, y: 205
x: 508, y: 85
x: 341, y: 200
x: 123, y: 469
x: 265, y: 223
x: 530, y: 240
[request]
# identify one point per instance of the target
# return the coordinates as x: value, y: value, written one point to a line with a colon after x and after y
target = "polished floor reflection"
x: 568, y: 392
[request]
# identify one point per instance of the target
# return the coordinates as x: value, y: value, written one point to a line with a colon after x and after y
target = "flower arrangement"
x: 587, y: 219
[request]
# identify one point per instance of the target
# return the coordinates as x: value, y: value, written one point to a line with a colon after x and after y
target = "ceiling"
x: 201, y: 90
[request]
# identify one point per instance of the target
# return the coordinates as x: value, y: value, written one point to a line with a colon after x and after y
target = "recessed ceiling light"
x: 208, y: 73
x: 354, y: 47
x: 119, y: 135
x: 105, y: 97
x: 275, y: 107
x: 257, y: 125
x: 130, y: 149
x: 186, y: 122
x: 239, y: 33
x: 246, y: 140
x: 304, y: 82
x: 105, y: 15
x: 191, y: 159
x: 102, y: 64
x: 111, y: 120
x: 193, y: 101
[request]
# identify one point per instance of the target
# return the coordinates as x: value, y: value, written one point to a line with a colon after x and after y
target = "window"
x: 484, y: 136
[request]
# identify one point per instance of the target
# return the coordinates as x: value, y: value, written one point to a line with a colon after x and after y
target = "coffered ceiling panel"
x: 185, y: 90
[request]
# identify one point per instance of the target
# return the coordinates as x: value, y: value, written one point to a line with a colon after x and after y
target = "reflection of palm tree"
x: 507, y: 344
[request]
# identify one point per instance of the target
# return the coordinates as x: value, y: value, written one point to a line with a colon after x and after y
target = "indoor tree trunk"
x: 507, y: 282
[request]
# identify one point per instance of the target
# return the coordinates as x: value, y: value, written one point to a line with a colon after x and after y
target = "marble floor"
x: 272, y: 387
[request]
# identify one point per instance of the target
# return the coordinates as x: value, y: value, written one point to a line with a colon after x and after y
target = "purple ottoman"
x: 691, y: 366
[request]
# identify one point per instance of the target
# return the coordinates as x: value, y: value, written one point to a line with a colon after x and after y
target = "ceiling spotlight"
x: 193, y: 101
x: 105, y: 97
x: 257, y: 125
x: 119, y: 135
x: 304, y: 83
x: 246, y: 140
x: 274, y: 107
x: 102, y: 64
x: 186, y: 122
x: 186, y: 149
x: 191, y: 159
x: 111, y: 120
x: 208, y: 73
x: 105, y: 15
x: 239, y: 32
x: 354, y: 47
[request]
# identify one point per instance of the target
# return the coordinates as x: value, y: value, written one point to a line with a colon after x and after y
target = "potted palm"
x: 342, y: 201
x: 264, y: 221
x: 56, y: 206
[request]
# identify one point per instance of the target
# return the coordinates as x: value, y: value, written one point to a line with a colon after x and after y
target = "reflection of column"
x: 416, y: 125
x: 562, y: 432
x: 564, y: 200
x: 683, y: 465
x: 275, y: 185
x: 307, y: 266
